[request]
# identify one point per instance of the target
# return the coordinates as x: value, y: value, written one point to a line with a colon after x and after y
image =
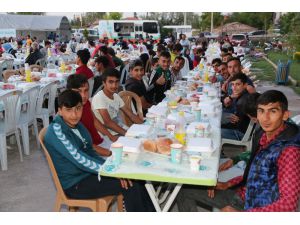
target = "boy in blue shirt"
x: 77, y: 163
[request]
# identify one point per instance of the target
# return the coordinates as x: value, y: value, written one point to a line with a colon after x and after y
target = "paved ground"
x: 27, y: 186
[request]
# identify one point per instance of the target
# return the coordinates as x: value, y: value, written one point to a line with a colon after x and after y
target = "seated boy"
x: 80, y: 84
x: 77, y: 163
x: 82, y: 59
x: 160, y: 78
x: 106, y: 104
x: 135, y: 83
x: 234, y: 121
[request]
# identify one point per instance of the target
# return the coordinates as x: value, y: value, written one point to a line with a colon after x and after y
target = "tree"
x: 286, y: 22
x: 27, y: 13
x: 206, y: 20
x: 259, y: 20
x: 115, y: 15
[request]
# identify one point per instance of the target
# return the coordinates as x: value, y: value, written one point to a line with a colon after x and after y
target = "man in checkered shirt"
x: 272, y: 177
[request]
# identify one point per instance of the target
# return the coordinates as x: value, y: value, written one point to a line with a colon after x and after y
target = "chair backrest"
x: 12, y: 108
x: 48, y: 91
x: 8, y: 73
x: 41, y: 62
x: 124, y: 74
x: 36, y: 67
x: 148, y: 66
x: 128, y: 97
x: 249, y: 132
x: 91, y: 85
x: 20, y: 55
x: 296, y: 119
x: 30, y: 95
x: 57, y: 183
x: 22, y: 71
x: 8, y: 64
x: 8, y: 55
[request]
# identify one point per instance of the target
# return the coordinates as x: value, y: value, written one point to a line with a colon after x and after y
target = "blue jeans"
x: 231, y: 134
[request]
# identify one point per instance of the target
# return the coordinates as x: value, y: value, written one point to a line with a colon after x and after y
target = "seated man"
x: 235, y: 67
x: 272, y: 176
x: 80, y: 84
x: 106, y: 104
x: 234, y: 121
x: 216, y: 62
x: 34, y: 55
x: 223, y: 193
x: 135, y: 83
x: 223, y: 73
x: 82, y: 59
x: 101, y: 64
x: 77, y: 163
x: 176, y: 69
x: 160, y: 79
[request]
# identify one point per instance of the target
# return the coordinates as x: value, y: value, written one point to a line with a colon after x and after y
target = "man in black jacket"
x: 34, y: 55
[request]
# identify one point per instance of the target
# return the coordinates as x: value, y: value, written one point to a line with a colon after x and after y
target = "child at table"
x: 77, y: 163
x: 79, y: 83
x: 160, y: 78
x: 107, y: 104
x: 136, y: 85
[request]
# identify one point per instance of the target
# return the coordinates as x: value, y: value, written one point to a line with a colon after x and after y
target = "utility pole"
x: 211, y: 22
x: 184, y: 18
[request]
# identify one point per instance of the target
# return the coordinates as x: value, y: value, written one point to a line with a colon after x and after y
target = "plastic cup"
x: 117, y: 150
x: 195, y: 162
x: 176, y: 153
x: 194, y: 104
x: 197, y: 114
x: 150, y: 119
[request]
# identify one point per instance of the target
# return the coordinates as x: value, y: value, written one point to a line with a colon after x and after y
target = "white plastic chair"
x: 124, y: 75
x: 91, y: 86
x: 296, y: 119
x: 44, y: 113
x: 28, y: 118
x: 246, y: 140
x: 41, y: 62
x: 8, y: 126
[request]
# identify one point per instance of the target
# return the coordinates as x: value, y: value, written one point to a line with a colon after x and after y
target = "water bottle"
x: 27, y: 73
x: 180, y: 133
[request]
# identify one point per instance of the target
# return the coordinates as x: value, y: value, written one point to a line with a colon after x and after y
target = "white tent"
x: 36, y: 25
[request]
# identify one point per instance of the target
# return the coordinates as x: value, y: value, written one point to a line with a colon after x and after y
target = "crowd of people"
x: 83, y: 130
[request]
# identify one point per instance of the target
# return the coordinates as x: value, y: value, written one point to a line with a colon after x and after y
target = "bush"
x: 296, y: 56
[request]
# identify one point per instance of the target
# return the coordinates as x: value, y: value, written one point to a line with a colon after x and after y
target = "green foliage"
x: 174, y: 18
x: 85, y: 34
x: 290, y: 24
x: 259, y: 20
x: 206, y: 20
x: 296, y: 56
x: 27, y: 13
x: 87, y: 19
x: 114, y: 16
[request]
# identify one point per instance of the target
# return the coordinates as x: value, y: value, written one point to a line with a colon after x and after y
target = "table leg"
x: 172, y: 198
x: 153, y: 197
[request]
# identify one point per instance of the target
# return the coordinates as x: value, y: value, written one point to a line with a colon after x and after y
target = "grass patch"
x: 264, y: 71
x: 295, y: 66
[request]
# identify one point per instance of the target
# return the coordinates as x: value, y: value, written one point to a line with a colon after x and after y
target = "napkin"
x: 138, y: 130
x: 130, y: 144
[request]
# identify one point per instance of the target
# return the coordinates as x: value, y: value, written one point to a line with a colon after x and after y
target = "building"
x: 233, y: 28
x: 35, y: 25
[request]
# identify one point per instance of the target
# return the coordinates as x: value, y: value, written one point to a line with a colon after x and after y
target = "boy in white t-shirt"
x: 107, y: 104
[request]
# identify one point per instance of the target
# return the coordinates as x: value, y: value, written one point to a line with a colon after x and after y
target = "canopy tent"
x: 35, y: 25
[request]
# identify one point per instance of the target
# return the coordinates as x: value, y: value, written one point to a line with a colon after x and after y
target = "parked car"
x: 257, y: 32
x: 238, y: 39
